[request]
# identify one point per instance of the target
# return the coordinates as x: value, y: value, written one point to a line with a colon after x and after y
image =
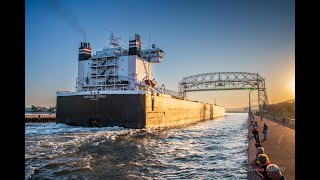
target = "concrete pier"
x: 280, y: 146
x: 39, y: 118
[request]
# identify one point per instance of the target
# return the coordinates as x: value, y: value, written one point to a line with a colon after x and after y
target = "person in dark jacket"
x: 255, y: 133
x: 265, y: 131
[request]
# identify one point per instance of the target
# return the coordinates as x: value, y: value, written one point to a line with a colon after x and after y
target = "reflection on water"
x: 213, y: 149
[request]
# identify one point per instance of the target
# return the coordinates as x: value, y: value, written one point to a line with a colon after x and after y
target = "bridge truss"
x: 226, y: 81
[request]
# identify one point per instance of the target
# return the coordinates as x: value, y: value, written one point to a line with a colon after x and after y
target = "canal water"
x: 213, y: 149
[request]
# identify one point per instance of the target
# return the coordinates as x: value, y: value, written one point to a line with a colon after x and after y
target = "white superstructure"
x: 116, y: 68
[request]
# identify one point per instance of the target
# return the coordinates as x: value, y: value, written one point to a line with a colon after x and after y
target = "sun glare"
x: 293, y: 87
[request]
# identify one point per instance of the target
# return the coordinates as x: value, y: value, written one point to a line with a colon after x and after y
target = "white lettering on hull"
x: 95, y: 97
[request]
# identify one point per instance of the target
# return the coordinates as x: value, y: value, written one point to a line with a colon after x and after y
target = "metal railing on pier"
x: 39, y: 118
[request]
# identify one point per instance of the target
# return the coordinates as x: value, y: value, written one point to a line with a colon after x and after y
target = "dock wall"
x: 39, y: 118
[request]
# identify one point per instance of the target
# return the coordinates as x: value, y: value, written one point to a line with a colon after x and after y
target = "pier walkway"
x: 39, y: 118
x: 279, y: 147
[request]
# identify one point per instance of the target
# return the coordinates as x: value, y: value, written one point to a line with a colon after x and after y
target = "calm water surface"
x: 213, y: 149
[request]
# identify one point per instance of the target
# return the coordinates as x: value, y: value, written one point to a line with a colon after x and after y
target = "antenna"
x: 114, y: 41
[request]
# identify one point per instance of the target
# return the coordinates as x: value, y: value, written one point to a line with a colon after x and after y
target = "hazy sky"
x: 197, y: 36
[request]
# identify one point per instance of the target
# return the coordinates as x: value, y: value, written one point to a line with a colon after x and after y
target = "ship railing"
x: 170, y: 92
x: 95, y: 64
x: 173, y: 93
x: 165, y: 91
x: 143, y: 85
x: 102, y: 84
x: 109, y: 54
x: 118, y: 87
x: 138, y: 86
x: 111, y: 64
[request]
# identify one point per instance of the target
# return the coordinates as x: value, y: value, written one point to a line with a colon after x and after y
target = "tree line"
x: 41, y: 109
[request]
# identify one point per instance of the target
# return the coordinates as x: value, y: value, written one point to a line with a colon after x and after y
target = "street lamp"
x: 250, y: 113
x: 250, y: 102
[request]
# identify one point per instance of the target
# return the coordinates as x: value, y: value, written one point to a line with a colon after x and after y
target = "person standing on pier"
x: 255, y: 133
x: 265, y: 131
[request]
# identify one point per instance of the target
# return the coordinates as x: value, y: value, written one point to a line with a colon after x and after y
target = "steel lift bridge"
x: 227, y: 81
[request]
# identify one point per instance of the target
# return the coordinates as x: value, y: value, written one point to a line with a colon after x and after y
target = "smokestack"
x: 84, y: 51
x: 135, y: 46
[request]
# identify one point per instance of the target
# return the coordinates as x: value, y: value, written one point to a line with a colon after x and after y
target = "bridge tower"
x: 262, y: 94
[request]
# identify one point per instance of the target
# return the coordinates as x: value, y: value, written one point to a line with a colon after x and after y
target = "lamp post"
x: 250, y: 102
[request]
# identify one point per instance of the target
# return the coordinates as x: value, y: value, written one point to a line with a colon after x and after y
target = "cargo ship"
x: 115, y: 87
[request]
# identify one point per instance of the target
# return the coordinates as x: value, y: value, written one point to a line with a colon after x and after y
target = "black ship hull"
x: 124, y: 110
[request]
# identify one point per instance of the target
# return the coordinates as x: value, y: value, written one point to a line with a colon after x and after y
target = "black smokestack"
x: 84, y: 51
x: 71, y: 19
x: 135, y: 46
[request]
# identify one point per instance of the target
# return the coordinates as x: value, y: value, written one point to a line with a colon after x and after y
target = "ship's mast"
x: 114, y: 41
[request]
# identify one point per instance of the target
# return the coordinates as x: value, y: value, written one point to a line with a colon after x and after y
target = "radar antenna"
x: 114, y: 41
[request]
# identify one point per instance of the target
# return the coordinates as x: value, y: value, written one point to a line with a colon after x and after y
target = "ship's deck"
x: 65, y: 93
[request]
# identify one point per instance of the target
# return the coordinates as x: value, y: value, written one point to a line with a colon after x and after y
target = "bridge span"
x: 226, y: 81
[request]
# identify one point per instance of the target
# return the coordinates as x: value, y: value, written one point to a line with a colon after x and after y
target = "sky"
x: 197, y: 36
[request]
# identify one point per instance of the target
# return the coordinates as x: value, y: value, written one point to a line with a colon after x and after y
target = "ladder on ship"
x: 108, y: 79
x: 103, y: 71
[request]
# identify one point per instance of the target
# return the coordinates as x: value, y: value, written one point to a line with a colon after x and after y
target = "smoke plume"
x: 71, y: 19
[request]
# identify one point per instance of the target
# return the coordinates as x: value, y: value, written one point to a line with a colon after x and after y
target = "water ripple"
x: 214, y: 149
